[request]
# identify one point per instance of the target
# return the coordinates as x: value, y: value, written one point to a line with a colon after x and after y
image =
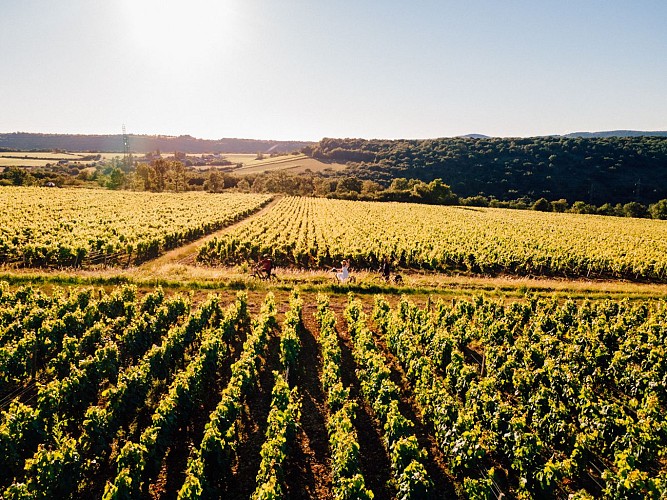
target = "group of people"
x: 264, y: 269
x: 343, y: 272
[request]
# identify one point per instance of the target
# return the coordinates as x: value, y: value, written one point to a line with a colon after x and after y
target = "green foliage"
x: 212, y: 460
x: 116, y: 178
x: 538, y: 398
x: 348, y: 482
x: 600, y: 170
x: 542, y: 205
x: 52, y: 472
x: 315, y: 232
x: 290, y: 342
x: 541, y: 399
x: 282, y: 423
x: 383, y: 395
x: 75, y: 228
x: 658, y: 210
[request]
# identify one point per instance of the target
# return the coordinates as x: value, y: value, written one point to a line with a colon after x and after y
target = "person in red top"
x: 266, y: 265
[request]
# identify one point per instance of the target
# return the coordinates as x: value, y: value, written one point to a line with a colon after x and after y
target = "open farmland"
x: 54, y: 227
x: 310, y: 232
x: 39, y: 159
x: 299, y: 388
x: 293, y: 163
x: 24, y: 162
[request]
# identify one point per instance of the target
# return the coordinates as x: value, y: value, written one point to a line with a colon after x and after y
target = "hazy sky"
x: 303, y: 70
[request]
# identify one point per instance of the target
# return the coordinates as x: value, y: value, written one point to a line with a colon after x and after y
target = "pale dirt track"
x: 186, y: 254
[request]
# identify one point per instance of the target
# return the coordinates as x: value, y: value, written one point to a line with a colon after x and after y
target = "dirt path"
x: 308, y: 471
x: 186, y: 254
x: 373, y: 458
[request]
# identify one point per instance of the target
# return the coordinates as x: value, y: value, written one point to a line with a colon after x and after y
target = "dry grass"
x: 293, y: 163
x: 35, y: 159
x: 195, y: 277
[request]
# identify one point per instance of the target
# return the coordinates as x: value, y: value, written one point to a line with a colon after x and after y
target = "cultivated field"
x: 124, y: 395
x: 293, y: 163
x: 41, y: 159
x: 311, y: 232
x: 61, y: 227
x: 199, y: 381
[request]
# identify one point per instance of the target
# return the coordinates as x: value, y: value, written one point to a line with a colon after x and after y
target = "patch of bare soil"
x: 308, y: 471
x: 374, y: 460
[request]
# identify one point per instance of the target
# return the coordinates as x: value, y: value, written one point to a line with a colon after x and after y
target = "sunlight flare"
x: 175, y: 30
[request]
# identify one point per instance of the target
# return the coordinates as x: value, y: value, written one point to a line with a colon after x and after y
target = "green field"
x: 522, y: 355
x: 316, y: 232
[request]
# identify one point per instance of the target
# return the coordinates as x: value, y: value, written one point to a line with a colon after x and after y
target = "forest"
x: 593, y: 170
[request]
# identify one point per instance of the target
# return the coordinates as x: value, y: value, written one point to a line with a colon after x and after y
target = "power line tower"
x: 127, y: 156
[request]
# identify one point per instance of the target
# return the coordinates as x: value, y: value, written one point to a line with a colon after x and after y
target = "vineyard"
x: 315, y: 232
x: 131, y: 393
x: 73, y: 228
x: 297, y: 388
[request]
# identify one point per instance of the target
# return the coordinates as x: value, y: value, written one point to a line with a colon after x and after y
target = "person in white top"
x: 343, y: 273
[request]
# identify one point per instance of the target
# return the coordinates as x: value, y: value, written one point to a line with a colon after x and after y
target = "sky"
x: 304, y: 70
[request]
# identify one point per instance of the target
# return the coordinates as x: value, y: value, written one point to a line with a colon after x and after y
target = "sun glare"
x: 169, y: 30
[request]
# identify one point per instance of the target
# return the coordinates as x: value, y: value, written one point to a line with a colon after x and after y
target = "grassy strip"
x: 439, y: 285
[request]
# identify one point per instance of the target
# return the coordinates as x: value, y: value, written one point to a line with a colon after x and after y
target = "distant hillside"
x: 593, y: 170
x: 24, y: 141
x: 474, y: 136
x: 618, y: 133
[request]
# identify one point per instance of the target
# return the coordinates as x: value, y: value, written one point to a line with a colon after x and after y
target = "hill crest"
x: 112, y: 143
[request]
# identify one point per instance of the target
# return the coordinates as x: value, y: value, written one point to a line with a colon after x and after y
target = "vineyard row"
x: 148, y: 395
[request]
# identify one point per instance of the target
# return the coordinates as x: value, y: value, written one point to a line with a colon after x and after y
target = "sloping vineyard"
x: 315, y: 232
x: 71, y: 228
x: 102, y: 405
x: 138, y: 394
x: 540, y: 399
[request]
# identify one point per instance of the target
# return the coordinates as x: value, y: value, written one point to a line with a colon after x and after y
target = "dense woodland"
x: 592, y: 170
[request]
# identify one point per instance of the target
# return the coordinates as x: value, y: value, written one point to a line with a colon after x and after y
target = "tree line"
x: 26, y: 141
x: 595, y: 170
x: 170, y: 174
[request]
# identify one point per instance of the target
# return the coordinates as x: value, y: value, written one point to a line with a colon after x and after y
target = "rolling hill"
x: 24, y: 141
